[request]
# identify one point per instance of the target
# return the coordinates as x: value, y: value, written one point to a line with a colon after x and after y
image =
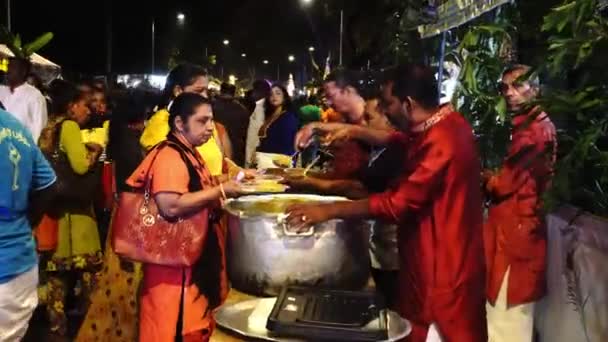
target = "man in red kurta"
x: 438, y: 204
x: 515, y: 232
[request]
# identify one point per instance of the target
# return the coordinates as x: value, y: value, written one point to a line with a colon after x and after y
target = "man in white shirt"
x: 261, y: 89
x: 22, y: 100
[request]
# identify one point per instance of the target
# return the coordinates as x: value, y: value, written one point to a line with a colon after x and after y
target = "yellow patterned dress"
x: 113, y: 313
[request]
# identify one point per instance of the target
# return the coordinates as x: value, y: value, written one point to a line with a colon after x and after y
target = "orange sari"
x: 164, y: 287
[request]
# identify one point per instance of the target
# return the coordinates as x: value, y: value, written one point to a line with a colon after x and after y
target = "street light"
x: 307, y: 2
x: 311, y: 49
x: 8, y: 15
x: 291, y: 58
x: 181, y: 18
x: 265, y: 61
x: 226, y: 42
x: 243, y: 55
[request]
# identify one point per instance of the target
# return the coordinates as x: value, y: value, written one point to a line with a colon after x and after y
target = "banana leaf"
x: 17, y: 41
x: 37, y: 44
x: 12, y: 42
x: 20, y: 50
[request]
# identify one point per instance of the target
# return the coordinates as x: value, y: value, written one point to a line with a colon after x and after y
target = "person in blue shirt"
x: 26, y: 183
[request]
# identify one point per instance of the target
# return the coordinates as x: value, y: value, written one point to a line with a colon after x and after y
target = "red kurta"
x: 439, y: 205
x: 515, y: 232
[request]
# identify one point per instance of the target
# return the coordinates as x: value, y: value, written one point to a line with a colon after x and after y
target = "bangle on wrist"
x: 222, y: 191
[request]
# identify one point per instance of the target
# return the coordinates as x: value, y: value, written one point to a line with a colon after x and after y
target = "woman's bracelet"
x: 223, y: 192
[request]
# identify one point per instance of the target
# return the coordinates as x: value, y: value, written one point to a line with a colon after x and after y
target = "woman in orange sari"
x: 177, y: 303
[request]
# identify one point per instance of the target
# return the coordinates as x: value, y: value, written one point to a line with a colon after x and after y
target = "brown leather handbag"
x: 141, y: 233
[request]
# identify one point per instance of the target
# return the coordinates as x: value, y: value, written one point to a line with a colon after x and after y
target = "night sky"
x: 263, y: 29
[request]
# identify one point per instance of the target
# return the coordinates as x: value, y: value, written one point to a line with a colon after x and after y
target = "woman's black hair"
x: 182, y: 75
x: 185, y: 106
x: 62, y: 94
x: 287, y: 104
x: 130, y: 108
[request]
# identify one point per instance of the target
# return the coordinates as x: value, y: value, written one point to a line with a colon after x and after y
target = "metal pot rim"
x: 254, y: 198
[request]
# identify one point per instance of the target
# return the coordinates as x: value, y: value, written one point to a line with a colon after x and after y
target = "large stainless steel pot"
x: 264, y: 254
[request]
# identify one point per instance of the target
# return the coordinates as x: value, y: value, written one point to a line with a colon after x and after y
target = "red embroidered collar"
x: 441, y: 114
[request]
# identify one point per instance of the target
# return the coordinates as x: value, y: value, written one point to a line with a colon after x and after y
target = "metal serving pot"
x: 264, y: 253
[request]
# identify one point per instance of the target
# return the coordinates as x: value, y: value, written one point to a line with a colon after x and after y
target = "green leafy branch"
x: 577, y: 46
x: 20, y: 50
x: 576, y: 30
x: 479, y: 56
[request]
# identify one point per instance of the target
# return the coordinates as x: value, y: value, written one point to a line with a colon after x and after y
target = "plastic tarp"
x: 576, y: 306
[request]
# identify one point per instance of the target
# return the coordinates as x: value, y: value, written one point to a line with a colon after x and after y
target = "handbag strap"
x: 207, y: 270
x: 57, y: 138
x: 147, y: 180
x: 113, y: 183
x: 194, y: 182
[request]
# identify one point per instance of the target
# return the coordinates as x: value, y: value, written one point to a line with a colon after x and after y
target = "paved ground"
x: 39, y: 326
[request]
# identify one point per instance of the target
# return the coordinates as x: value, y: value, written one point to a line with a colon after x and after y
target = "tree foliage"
x: 577, y: 50
x: 572, y: 42
x: 482, y: 58
x: 378, y: 33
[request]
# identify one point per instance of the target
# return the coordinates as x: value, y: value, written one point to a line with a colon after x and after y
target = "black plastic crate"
x: 315, y: 314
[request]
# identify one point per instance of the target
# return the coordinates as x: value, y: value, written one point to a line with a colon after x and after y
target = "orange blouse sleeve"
x: 169, y: 173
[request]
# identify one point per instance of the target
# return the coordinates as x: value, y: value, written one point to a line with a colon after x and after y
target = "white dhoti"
x: 509, y: 324
x: 18, y: 300
x: 433, y: 334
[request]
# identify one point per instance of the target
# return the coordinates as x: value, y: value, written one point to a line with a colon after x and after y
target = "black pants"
x: 387, y: 284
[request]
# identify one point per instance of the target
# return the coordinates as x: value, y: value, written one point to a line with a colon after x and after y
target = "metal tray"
x: 235, y: 318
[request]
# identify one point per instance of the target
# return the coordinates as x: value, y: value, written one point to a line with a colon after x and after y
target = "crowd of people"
x: 403, y: 158
x: 103, y: 137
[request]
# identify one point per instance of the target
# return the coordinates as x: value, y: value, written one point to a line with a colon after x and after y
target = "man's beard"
x: 399, y: 121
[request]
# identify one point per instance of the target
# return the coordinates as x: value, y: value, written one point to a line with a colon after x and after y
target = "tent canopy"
x: 35, y: 58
